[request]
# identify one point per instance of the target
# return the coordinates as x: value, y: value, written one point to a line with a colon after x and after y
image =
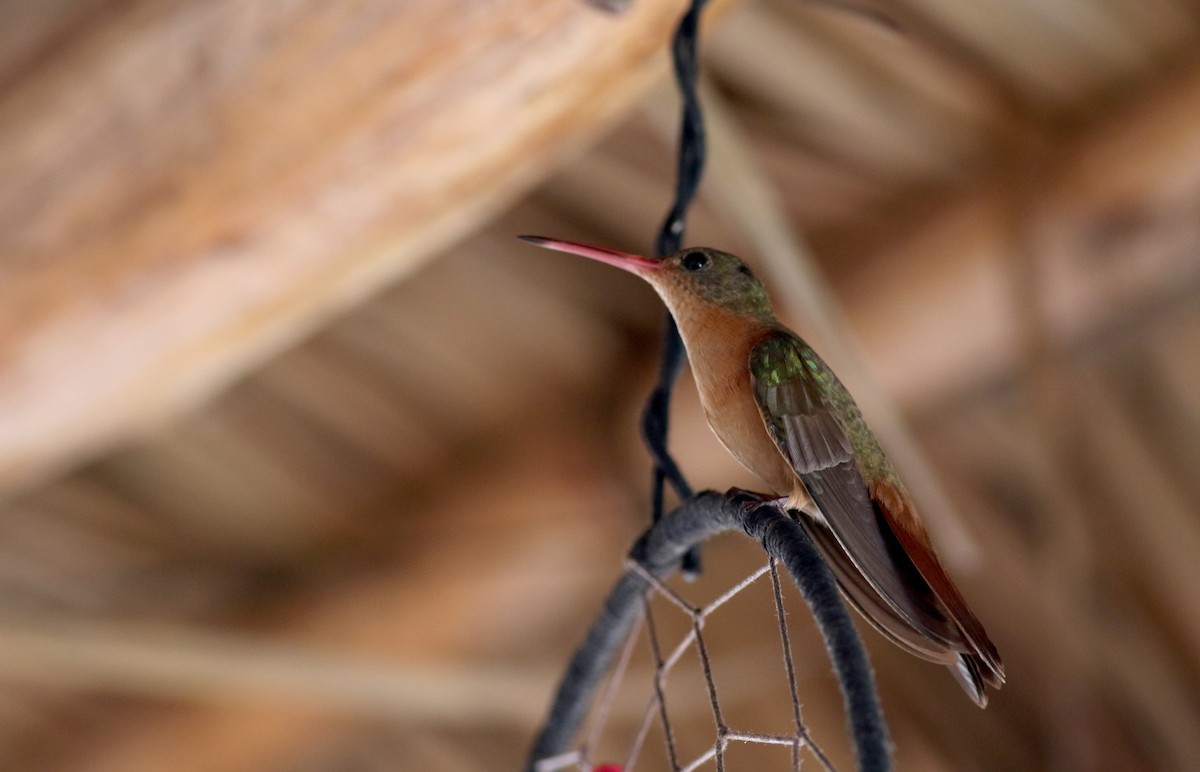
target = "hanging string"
x: 656, y: 416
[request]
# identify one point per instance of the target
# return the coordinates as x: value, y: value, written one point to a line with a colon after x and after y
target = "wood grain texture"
x: 190, y: 187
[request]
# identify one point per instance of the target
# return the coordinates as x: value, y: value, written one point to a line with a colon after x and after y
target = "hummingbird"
x: 782, y: 413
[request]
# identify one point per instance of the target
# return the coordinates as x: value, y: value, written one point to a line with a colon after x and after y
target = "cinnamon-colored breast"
x: 718, y: 345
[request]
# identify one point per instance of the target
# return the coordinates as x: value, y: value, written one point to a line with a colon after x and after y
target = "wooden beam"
x: 189, y: 188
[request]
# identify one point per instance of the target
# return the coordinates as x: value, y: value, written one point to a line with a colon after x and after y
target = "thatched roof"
x: 308, y: 464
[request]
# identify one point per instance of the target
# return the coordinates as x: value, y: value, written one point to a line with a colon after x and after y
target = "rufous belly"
x: 719, y: 353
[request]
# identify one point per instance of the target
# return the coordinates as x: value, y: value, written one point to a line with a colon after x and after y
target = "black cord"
x: 656, y: 416
x: 655, y: 420
x: 691, y: 132
x: 658, y: 551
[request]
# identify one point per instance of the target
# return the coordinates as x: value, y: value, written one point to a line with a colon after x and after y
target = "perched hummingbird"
x: 781, y: 412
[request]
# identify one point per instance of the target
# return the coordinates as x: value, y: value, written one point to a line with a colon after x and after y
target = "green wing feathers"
x: 795, y: 407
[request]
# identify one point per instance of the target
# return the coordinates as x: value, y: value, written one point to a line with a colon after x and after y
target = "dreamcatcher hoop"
x: 657, y: 554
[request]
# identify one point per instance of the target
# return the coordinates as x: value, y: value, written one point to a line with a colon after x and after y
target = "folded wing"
x: 866, y: 529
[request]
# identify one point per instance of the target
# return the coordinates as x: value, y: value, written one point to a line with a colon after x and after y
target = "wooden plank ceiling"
x: 307, y: 464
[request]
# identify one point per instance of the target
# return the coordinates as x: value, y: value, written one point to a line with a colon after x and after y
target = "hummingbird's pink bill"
x: 632, y: 263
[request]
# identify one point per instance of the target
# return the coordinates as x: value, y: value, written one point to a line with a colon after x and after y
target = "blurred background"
x: 307, y: 464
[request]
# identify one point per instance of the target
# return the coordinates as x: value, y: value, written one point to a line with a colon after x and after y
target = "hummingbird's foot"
x: 749, y: 500
x: 743, y: 496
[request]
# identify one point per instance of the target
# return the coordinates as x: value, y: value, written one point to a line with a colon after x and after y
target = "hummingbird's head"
x: 695, y: 273
x: 715, y: 277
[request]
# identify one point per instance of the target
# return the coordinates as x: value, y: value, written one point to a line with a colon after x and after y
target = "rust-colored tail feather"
x: 979, y: 663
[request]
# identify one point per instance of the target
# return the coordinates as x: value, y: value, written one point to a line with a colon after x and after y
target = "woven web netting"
x: 668, y: 654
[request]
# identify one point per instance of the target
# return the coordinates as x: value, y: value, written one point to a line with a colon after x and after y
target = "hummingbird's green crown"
x: 715, y: 277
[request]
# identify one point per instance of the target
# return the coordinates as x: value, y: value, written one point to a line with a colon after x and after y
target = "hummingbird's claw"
x: 747, y: 499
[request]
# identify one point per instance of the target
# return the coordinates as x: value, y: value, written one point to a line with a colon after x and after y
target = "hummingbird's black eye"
x: 694, y: 261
